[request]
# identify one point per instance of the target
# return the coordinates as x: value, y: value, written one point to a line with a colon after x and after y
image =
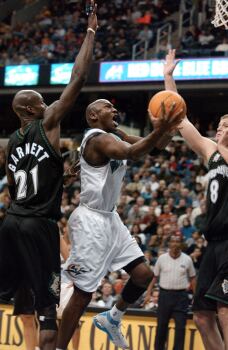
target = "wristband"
x: 91, y: 30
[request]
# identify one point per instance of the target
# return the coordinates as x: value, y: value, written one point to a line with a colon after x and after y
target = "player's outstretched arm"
x: 109, y: 147
x: 199, y: 144
x: 57, y: 111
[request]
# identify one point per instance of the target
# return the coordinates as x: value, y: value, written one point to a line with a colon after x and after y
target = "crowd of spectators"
x: 203, y: 39
x: 57, y: 32
x: 162, y: 195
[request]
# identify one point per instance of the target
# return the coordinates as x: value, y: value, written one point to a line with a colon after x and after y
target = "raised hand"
x: 170, y: 62
x: 92, y: 19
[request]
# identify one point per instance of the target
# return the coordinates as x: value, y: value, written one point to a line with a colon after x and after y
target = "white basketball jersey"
x: 100, y: 185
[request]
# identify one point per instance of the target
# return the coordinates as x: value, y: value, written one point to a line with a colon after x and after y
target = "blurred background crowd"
x: 56, y: 32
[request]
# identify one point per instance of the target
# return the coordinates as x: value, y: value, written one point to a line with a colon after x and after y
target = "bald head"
x: 93, y: 108
x: 24, y: 98
x: 28, y: 104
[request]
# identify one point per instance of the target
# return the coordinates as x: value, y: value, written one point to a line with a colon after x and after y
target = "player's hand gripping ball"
x: 173, y: 103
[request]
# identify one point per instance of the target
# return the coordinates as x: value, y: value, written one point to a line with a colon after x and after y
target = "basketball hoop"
x: 221, y: 14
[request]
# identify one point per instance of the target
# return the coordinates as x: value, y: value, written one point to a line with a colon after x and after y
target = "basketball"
x: 168, y: 97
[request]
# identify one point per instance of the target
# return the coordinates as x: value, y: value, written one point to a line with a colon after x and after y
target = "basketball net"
x: 221, y: 14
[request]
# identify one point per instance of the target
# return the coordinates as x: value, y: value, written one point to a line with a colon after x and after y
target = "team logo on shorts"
x: 54, y: 286
x: 225, y: 286
x: 75, y: 270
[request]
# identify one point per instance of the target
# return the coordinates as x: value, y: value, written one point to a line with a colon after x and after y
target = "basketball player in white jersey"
x: 211, y: 295
x: 100, y: 241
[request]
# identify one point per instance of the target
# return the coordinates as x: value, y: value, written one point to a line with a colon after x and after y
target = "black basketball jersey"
x: 217, y: 199
x: 37, y: 171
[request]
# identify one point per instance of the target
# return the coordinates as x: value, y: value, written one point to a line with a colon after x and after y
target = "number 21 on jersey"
x: 21, y: 180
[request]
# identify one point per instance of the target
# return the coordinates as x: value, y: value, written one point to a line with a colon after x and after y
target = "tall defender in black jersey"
x: 31, y: 157
x: 29, y: 237
x: 212, y: 286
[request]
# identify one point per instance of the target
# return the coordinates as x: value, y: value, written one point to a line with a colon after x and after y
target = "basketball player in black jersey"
x: 211, y: 295
x: 29, y: 237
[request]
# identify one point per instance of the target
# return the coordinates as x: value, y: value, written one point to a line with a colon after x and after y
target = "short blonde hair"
x: 224, y: 116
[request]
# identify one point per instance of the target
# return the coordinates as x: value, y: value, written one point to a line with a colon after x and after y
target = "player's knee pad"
x: 47, y: 318
x: 132, y: 292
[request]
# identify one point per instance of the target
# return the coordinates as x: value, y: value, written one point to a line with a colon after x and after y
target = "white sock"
x: 116, y: 314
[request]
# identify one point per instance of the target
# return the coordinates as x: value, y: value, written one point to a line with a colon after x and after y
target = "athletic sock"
x: 116, y: 314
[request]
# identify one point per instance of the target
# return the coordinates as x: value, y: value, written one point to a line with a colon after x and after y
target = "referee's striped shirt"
x: 174, y: 274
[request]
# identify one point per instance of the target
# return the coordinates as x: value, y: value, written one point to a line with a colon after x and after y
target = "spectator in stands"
x: 196, y: 256
x: 166, y: 216
x: 134, y: 214
x: 146, y: 18
x: 192, y: 239
x: 106, y: 300
x: 199, y: 242
x: 146, y: 34
x: 187, y: 229
x: 181, y: 207
x: 135, y: 184
x: 151, y: 222
x: 137, y: 233
x: 147, y: 193
x: 152, y: 304
x: 190, y: 38
x: 202, y: 178
x: 200, y: 219
x: 164, y: 46
x: 223, y: 47
x: 122, y: 50
x: 149, y: 258
x: 206, y: 38
x: 95, y: 300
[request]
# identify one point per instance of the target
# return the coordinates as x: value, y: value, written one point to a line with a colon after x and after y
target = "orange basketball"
x: 168, y: 97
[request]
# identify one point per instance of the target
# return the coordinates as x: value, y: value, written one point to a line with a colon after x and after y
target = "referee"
x: 176, y: 273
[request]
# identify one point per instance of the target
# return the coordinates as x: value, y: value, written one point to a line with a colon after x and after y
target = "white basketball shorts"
x: 100, y: 243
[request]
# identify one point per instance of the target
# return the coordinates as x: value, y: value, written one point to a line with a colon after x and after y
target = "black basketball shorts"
x: 30, y: 256
x: 212, y: 282
x: 24, y: 301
